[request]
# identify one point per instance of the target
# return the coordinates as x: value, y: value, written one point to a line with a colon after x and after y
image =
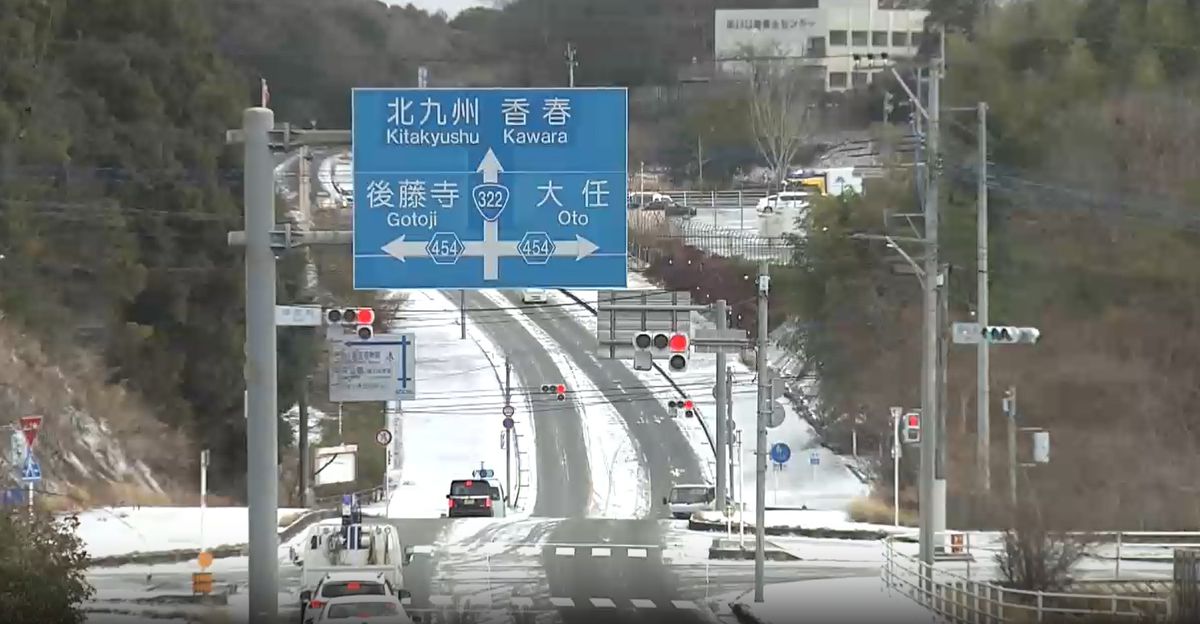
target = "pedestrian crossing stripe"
x: 560, y: 550
x: 442, y: 601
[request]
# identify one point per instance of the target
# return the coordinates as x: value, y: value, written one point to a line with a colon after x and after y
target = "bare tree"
x: 782, y: 107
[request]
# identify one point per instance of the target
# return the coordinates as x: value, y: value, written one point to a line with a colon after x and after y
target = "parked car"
x: 535, y: 295
x: 671, y: 208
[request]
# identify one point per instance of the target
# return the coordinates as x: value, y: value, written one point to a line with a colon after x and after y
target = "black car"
x: 671, y: 208
x: 470, y: 498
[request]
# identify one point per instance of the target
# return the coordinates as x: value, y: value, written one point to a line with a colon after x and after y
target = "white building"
x: 824, y: 36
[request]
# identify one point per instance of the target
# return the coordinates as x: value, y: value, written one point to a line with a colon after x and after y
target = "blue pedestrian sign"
x: 31, y: 470
x: 490, y: 188
x: 780, y: 453
x: 814, y: 459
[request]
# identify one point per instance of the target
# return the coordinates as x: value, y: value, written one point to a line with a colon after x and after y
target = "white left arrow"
x: 580, y: 248
x: 491, y: 168
x: 401, y: 249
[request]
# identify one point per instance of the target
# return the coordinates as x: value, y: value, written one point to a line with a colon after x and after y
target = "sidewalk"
x: 831, y: 601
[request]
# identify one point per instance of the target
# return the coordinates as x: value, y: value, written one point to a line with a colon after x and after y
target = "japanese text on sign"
x: 434, y: 123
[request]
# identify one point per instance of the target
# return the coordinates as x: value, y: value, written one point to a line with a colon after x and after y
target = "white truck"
x: 371, y: 551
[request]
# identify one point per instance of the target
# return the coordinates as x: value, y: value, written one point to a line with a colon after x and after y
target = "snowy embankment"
x: 829, y: 485
x: 455, y: 423
x: 115, y: 531
x: 619, y: 481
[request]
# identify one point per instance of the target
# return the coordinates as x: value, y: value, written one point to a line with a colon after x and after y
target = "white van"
x: 686, y: 499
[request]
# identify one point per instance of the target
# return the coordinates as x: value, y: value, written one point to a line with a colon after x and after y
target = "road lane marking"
x: 523, y: 602
x: 562, y: 602
x: 564, y: 551
x: 422, y: 550
x: 642, y: 603
x: 637, y: 553
x: 684, y: 604
x: 601, y: 552
x: 603, y: 603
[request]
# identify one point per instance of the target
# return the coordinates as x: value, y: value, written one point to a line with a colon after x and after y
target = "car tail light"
x: 451, y: 502
x: 487, y: 502
x: 315, y: 604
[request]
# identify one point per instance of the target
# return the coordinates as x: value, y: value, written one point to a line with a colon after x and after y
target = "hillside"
x: 99, y: 443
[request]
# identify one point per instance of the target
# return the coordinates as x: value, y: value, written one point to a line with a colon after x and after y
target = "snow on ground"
x: 455, y: 421
x: 618, y: 479
x: 123, y: 530
x: 827, y: 486
x: 316, y: 420
x: 855, y: 599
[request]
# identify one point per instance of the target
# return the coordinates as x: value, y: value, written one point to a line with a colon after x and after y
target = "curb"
x: 224, y: 551
x: 821, y: 533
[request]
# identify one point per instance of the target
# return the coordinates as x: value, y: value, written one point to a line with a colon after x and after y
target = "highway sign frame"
x: 780, y: 453
x: 668, y: 311
x: 394, y: 377
x: 480, y: 188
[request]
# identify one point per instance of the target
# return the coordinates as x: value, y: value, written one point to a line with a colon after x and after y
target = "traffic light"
x: 1006, y: 334
x: 680, y: 347
x: 645, y: 345
x: 688, y: 407
x: 912, y: 427
x: 558, y: 389
x: 361, y: 319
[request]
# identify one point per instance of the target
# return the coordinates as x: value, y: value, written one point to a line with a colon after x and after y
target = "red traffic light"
x: 914, y: 421
x: 688, y: 404
x: 364, y: 316
x: 562, y: 389
x: 679, y: 342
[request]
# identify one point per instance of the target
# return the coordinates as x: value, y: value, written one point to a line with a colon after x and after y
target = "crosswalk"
x: 529, y: 551
x: 447, y: 602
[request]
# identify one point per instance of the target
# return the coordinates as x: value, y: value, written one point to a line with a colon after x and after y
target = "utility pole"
x: 507, y: 431
x: 929, y: 394
x: 760, y: 454
x: 939, y: 488
x: 262, y: 430
x: 1010, y: 409
x: 462, y: 311
x: 729, y: 437
x: 203, y: 493
x: 983, y: 398
x: 571, y: 63
x: 302, y: 444
x: 721, y: 311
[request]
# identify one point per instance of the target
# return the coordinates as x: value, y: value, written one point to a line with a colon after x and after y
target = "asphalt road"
x: 563, y: 477
x: 661, y: 447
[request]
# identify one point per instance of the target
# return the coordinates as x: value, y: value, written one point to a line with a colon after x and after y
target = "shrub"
x: 42, y: 564
x: 1036, y: 559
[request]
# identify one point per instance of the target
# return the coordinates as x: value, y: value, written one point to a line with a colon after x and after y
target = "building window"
x: 860, y: 79
x: 899, y: 39
x: 816, y: 46
x: 858, y: 38
x: 916, y: 38
x: 837, y: 80
x: 879, y: 39
x: 837, y: 37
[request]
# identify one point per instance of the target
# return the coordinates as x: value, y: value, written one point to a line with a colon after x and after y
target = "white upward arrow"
x: 491, y: 168
x: 580, y: 248
x: 400, y: 248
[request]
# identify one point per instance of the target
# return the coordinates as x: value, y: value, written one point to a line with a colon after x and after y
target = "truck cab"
x: 365, y: 551
x: 686, y: 499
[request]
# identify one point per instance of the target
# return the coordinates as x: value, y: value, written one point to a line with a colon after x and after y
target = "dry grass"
x: 875, y: 511
x: 70, y: 392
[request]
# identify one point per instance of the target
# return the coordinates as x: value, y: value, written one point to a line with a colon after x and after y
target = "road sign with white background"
x: 814, y: 459
x: 298, y: 316
x: 490, y: 188
x: 381, y: 369
x: 383, y: 437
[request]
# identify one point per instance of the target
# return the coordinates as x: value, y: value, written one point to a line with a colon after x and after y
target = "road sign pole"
x: 760, y: 457
x: 261, y: 429
x: 721, y: 312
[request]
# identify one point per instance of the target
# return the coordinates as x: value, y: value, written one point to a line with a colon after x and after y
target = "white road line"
x: 601, y: 552
x: 603, y: 603
x: 643, y: 603
x: 442, y: 601
x: 523, y: 602
x: 565, y: 551
x: 684, y: 604
x: 637, y: 553
x: 529, y: 551
x: 562, y: 602
x: 423, y: 550
x: 406, y: 601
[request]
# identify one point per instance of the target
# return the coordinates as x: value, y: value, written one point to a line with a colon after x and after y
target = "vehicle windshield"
x: 690, y: 495
x: 337, y: 589
x: 470, y: 488
x: 349, y: 610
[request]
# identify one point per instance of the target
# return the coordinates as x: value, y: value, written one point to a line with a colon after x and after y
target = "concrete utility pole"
x: 760, y: 453
x: 262, y: 431
x: 983, y: 398
x: 507, y: 432
x: 302, y: 443
x: 939, y: 496
x: 729, y: 438
x: 571, y: 63
x: 721, y: 311
x: 929, y: 393
x: 1010, y: 409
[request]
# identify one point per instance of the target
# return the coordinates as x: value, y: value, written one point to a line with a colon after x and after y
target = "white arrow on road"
x: 580, y: 248
x: 400, y: 248
x: 491, y: 168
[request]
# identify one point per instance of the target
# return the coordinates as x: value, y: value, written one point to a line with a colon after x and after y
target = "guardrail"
x: 958, y: 599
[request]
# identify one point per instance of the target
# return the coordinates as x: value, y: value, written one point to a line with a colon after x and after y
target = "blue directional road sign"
x: 31, y: 470
x: 780, y: 453
x: 490, y: 188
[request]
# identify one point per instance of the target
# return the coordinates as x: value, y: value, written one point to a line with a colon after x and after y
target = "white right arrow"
x: 580, y: 248
x: 401, y: 249
x: 491, y: 168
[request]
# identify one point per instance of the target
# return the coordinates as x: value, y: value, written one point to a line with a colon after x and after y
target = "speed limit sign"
x: 383, y: 437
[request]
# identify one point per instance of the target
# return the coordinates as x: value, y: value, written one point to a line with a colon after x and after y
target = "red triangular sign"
x: 30, y: 425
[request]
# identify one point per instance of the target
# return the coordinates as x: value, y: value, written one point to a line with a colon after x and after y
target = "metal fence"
x: 955, y: 598
x: 653, y: 234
